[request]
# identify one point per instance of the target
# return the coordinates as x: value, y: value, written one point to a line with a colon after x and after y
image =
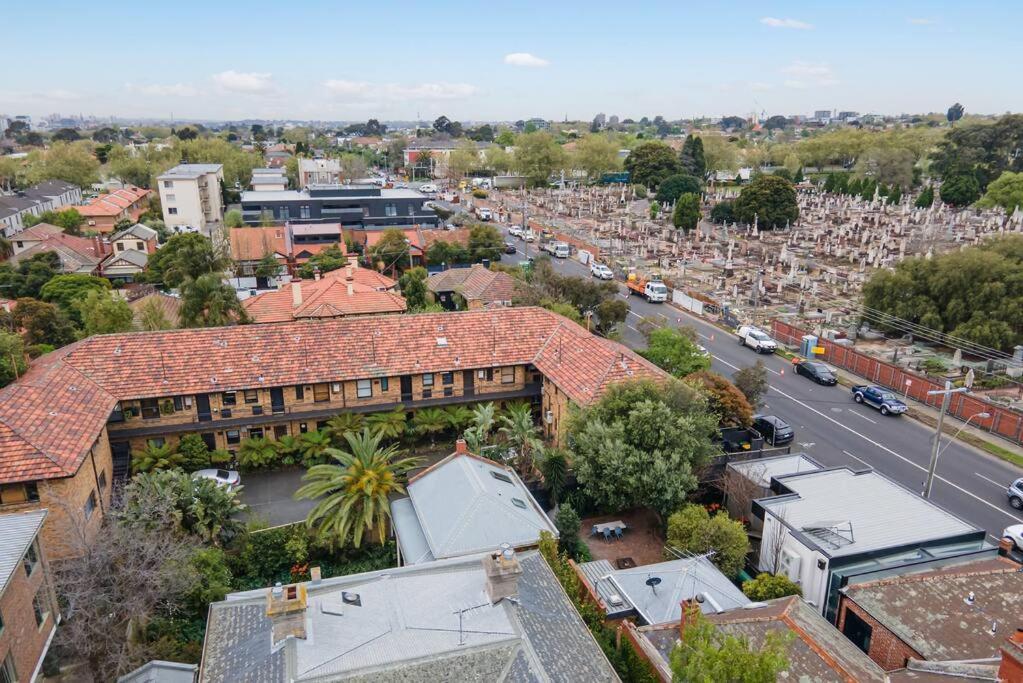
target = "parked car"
x: 601, y: 272
x: 817, y: 371
x: 529, y: 235
x: 878, y: 397
x: 509, y: 248
x: 756, y: 339
x: 228, y: 478
x: 1015, y: 534
x: 484, y: 214
x: 428, y: 188
x: 515, y: 230
x: 775, y: 430
x: 1015, y: 493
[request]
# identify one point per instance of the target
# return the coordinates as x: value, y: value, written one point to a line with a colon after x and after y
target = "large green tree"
x: 692, y: 158
x: 674, y: 186
x: 65, y: 290
x: 772, y: 200
x: 650, y: 163
x: 981, y: 149
x: 674, y: 352
x: 485, y: 242
x: 1006, y: 191
x: 186, y: 256
x: 102, y: 313
x: 724, y: 398
x: 960, y: 190
x: 596, y: 155
x: 687, y: 214
x: 707, y: 654
x: 538, y: 156
x: 413, y: 287
x: 207, y: 302
x: 42, y: 323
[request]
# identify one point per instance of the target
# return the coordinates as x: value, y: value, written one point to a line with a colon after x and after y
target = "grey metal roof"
x: 425, y: 622
x: 268, y: 172
x: 597, y: 573
x: 130, y: 256
x: 302, y: 196
x: 137, y: 230
x: 864, y: 510
x: 683, y: 579
x: 465, y: 504
x: 268, y: 179
x: 761, y: 470
x: 158, y: 671
x: 50, y: 188
x: 183, y: 171
x: 17, y: 531
x: 411, y: 540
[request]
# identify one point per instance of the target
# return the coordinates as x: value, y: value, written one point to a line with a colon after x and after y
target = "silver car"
x: 600, y: 271
x: 229, y: 478
x: 1015, y: 493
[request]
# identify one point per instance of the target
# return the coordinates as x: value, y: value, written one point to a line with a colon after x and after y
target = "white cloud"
x: 920, y: 21
x: 161, y: 90
x: 392, y: 92
x: 525, y: 59
x: 237, y: 81
x: 809, y: 75
x: 774, y: 22
x: 61, y: 95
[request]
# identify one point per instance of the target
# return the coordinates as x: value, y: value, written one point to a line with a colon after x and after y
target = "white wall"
x: 811, y: 579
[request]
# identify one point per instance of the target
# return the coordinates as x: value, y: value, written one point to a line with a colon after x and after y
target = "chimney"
x: 503, y: 571
x: 1011, y: 668
x: 461, y: 447
x: 1005, y: 547
x: 296, y: 292
x: 690, y: 612
x: 353, y: 261
x: 351, y: 286
x: 285, y: 607
x: 316, y: 274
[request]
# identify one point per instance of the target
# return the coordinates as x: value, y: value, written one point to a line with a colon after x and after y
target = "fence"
x: 1004, y: 422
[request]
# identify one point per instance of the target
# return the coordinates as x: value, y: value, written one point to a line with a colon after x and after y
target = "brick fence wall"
x: 1004, y: 422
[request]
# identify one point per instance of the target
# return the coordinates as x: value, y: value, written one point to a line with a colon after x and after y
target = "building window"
x: 228, y: 398
x: 449, y: 391
x: 31, y: 559
x: 390, y: 210
x: 157, y: 442
x: 257, y: 410
x: 32, y: 492
x: 303, y: 427
x: 179, y: 403
x: 41, y: 613
x: 120, y: 246
x: 172, y: 210
x: 225, y: 413
x: 255, y: 432
x: 364, y: 388
x: 487, y: 374
x: 8, y: 674
x: 150, y: 408
x: 233, y: 437
x: 171, y: 198
x: 140, y: 246
x: 383, y: 384
x: 321, y: 393
x: 90, y: 505
x: 251, y: 395
x: 428, y: 379
x: 103, y: 480
x: 303, y: 212
x: 168, y: 183
x: 285, y: 213
x: 507, y: 375
x: 299, y: 393
x: 447, y: 377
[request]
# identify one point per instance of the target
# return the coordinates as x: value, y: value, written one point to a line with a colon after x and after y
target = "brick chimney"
x: 285, y: 607
x: 690, y: 611
x: 503, y: 571
x: 461, y: 447
x: 349, y: 271
x: 1011, y: 668
x: 296, y: 292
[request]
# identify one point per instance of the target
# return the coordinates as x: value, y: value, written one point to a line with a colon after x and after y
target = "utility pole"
x: 946, y: 398
x: 525, y: 220
x: 756, y: 295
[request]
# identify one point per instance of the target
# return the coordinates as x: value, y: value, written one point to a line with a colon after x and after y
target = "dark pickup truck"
x: 883, y: 399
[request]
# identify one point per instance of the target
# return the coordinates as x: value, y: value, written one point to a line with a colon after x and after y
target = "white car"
x: 703, y: 350
x: 1014, y: 532
x: 756, y: 339
x: 529, y: 236
x: 515, y: 231
x: 428, y: 188
x: 601, y: 272
x: 228, y: 478
x: 484, y: 214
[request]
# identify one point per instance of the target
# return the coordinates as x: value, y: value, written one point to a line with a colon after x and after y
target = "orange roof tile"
x: 252, y: 244
x: 363, y: 276
x: 326, y: 298
x: 113, y: 203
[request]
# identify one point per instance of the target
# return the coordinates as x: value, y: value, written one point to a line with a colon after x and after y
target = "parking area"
x: 270, y: 496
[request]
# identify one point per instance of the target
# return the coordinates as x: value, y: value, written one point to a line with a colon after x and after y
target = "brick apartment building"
x: 75, y: 417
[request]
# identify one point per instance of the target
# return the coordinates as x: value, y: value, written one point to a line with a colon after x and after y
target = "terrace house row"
x: 68, y: 427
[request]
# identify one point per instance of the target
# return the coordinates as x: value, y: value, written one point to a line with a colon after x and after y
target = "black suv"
x: 775, y: 430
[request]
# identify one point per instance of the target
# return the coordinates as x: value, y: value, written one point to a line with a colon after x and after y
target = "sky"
x: 312, y: 60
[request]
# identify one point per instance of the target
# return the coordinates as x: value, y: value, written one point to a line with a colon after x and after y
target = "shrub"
x: 479, y: 194
x: 195, y: 454
x: 568, y: 523
x: 769, y: 586
x: 258, y: 453
x: 693, y: 529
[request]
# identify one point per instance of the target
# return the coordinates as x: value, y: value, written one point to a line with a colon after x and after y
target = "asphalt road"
x: 835, y: 431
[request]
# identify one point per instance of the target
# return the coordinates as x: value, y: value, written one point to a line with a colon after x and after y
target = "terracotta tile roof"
x: 169, y: 305
x: 477, y: 283
x: 363, y: 276
x: 458, y: 236
x: 113, y: 203
x: 412, y: 235
x: 251, y: 244
x: 325, y: 298
x: 50, y: 418
x: 75, y: 252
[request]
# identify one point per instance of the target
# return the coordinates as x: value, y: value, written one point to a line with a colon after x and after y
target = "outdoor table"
x: 610, y: 526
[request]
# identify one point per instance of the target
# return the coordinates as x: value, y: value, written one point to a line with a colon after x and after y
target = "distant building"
x: 439, y: 152
x: 102, y: 213
x: 823, y: 115
x: 77, y: 254
x: 539, y: 124
x: 353, y: 206
x: 191, y: 196
x: 847, y: 115
x: 318, y: 172
x: 49, y: 195
x: 129, y: 253
x: 269, y: 179
x: 600, y: 120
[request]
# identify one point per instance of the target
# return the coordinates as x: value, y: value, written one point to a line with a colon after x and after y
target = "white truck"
x: 653, y: 291
x: 756, y: 339
x: 557, y: 249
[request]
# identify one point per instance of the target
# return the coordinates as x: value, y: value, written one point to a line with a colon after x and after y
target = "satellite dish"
x: 653, y: 581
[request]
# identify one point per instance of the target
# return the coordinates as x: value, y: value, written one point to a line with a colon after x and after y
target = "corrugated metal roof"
x: 408, y: 530
x: 17, y: 531
x: 761, y: 470
x: 598, y: 573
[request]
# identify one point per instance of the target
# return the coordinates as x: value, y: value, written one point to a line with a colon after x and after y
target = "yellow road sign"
x: 818, y: 349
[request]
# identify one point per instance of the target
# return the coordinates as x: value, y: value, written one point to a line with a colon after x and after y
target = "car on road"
x: 601, y: 272
x: 428, y: 188
x: 484, y: 214
x: 703, y: 350
x: 509, y: 248
x: 653, y: 291
x: 815, y: 370
x: 756, y: 339
x: 1015, y: 534
x: 1015, y: 493
x: 529, y: 235
x: 515, y: 230
x: 883, y: 399
x: 228, y: 478
x: 775, y: 430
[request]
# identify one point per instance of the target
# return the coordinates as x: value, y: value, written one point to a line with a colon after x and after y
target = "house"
x: 826, y: 527
x: 49, y: 195
x: 76, y: 415
x: 747, y: 480
x: 102, y: 213
x: 654, y: 593
x: 77, y: 254
x: 318, y: 172
x: 158, y: 671
x: 168, y: 306
x: 817, y: 651
x: 124, y: 266
x: 56, y: 194
x: 250, y: 244
x: 138, y: 238
x: 957, y: 612
x: 463, y: 505
x: 192, y: 196
x: 307, y: 240
x: 353, y: 206
x: 439, y: 152
x: 413, y: 237
x: 324, y: 297
x: 472, y: 288
x: 14, y: 210
x: 269, y: 179
x: 277, y: 159
x: 501, y: 616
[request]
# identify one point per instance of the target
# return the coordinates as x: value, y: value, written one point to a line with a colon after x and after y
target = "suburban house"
x: 55, y: 195
x: 748, y: 480
x: 136, y: 238
x: 49, y: 195
x: 501, y: 616
x: 318, y: 172
x: 413, y: 237
x: 339, y: 294
x: 269, y: 179
x: 28, y: 602
x: 654, y: 593
x: 309, y: 239
x: 191, y: 196
x: 250, y: 244
x: 77, y: 254
x: 14, y: 210
x: 102, y: 213
x: 74, y: 418
x: 952, y: 613
x: 826, y: 527
x: 129, y: 253
x: 463, y: 505
x: 817, y: 652
x: 354, y: 206
x: 168, y: 306
x: 472, y: 288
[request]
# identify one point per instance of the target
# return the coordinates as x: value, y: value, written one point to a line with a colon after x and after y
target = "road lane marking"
x: 885, y: 448
x: 996, y: 483
x: 864, y: 417
x: 859, y: 459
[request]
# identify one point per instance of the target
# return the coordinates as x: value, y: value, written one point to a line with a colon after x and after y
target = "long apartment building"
x: 71, y: 422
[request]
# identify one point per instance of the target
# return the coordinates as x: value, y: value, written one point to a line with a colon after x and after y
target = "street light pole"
x: 946, y: 398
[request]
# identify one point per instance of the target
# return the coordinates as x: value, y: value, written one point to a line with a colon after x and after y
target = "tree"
x: 66, y: 135
x: 101, y: 313
x: 69, y: 219
x: 429, y: 422
x: 769, y: 586
x: 706, y: 654
x: 71, y: 162
x: 776, y: 122
x: 553, y: 466
x: 960, y: 190
x: 596, y: 155
x: 610, y: 314
x: 391, y: 252
x: 983, y: 150
x: 341, y: 424
x: 888, y: 165
x: 640, y: 444
x: 538, y: 156
x: 954, y: 113
x: 354, y: 491
x: 413, y: 287
x: 724, y: 399
x: 498, y: 160
x: 692, y: 159
x: 1006, y: 191
x: 65, y: 290
x: 12, y: 358
x: 506, y: 138
x: 723, y: 212
x: 186, y: 133
x: 926, y: 198
x: 721, y: 154
x: 314, y: 445
x: 152, y: 317
x: 42, y: 323
x: 732, y: 122
x: 687, y: 214
x: 693, y: 530
x: 257, y: 453
x: 463, y: 159
x: 234, y: 219
x: 485, y: 242
x: 752, y: 382
x: 770, y: 199
x: 154, y: 457
x: 458, y: 417
x: 519, y: 428
x: 185, y: 256
x: 568, y: 524
x: 442, y: 124
x: 268, y: 266
x: 387, y: 425
x: 195, y: 454
x: 674, y: 186
x: 674, y: 352
x: 208, y: 302
x: 650, y: 163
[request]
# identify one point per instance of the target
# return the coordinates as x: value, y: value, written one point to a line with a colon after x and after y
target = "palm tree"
x: 288, y: 447
x: 339, y: 425
x: 314, y: 446
x: 257, y: 453
x: 208, y: 302
x: 430, y: 421
x: 354, y: 490
x: 483, y: 419
x: 154, y: 457
x: 554, y: 468
x: 458, y: 417
x: 389, y: 425
x: 520, y: 430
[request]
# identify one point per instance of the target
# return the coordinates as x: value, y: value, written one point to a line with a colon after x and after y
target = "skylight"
x: 519, y: 503
x: 501, y: 476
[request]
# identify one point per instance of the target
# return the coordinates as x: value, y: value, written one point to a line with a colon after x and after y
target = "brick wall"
x: 22, y: 637
x: 886, y: 649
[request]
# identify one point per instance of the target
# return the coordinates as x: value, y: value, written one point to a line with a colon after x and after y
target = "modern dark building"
x: 353, y: 206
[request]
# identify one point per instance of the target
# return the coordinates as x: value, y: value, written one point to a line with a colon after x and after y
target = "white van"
x: 560, y: 250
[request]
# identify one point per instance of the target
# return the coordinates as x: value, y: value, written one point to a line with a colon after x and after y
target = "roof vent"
x: 615, y: 600
x: 501, y: 476
x: 117, y: 350
x: 442, y: 341
x: 350, y: 598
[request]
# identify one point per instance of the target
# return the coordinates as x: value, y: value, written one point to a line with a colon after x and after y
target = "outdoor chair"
x: 607, y: 535
x: 618, y: 532
x: 593, y: 531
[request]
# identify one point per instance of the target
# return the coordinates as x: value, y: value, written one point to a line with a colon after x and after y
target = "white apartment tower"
x: 190, y: 195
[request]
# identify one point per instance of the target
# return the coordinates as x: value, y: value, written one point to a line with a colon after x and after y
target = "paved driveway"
x: 269, y: 496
